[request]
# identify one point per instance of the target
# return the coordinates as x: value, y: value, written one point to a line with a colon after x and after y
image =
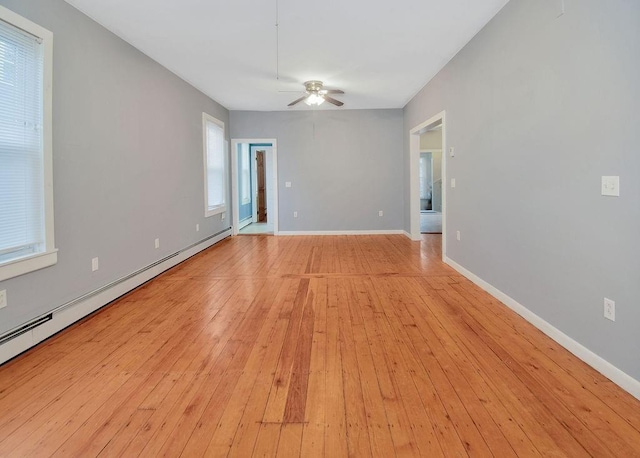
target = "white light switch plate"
x: 611, y: 186
x: 94, y: 264
x: 3, y: 298
x: 453, y: 182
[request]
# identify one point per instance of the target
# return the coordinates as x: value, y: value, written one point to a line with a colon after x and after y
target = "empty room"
x: 282, y: 228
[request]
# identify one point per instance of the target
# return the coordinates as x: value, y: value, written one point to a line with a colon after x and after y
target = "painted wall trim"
x: 356, y: 232
x: 620, y: 378
x: 64, y: 316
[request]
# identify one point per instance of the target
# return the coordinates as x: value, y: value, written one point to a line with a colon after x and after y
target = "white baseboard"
x: 370, y: 232
x: 620, y: 378
x: 407, y: 234
x: 79, y: 310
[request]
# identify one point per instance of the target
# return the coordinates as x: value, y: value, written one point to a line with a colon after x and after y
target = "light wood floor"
x: 310, y: 346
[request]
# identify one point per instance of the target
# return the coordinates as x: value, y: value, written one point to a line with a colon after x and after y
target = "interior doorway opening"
x: 254, y: 186
x: 427, y: 190
x: 430, y: 180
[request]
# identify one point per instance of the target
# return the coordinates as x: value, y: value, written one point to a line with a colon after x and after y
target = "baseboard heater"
x: 24, y: 328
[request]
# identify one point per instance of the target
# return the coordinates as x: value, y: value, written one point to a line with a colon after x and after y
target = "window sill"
x: 215, y: 211
x: 20, y: 266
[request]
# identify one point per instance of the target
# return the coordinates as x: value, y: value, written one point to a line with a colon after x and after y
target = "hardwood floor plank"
x: 314, y: 420
x: 267, y: 441
x: 249, y: 425
x: 290, y: 440
x: 275, y: 410
x: 294, y: 410
x: 343, y: 376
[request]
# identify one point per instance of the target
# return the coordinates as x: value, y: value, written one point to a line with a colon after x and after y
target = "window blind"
x: 215, y: 166
x: 22, y: 230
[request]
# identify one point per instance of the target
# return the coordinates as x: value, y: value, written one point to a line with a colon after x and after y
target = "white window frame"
x: 210, y: 210
x: 48, y: 257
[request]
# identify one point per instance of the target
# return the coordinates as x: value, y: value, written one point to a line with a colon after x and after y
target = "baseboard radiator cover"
x: 27, y: 335
x: 17, y: 332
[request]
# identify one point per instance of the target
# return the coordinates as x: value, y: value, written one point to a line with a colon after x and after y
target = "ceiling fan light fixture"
x: 314, y: 99
x: 315, y: 94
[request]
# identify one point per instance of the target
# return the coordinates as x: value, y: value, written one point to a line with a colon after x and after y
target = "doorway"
x: 430, y: 180
x: 423, y: 197
x: 254, y: 186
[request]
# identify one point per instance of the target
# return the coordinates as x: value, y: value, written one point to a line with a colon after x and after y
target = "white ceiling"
x: 381, y: 53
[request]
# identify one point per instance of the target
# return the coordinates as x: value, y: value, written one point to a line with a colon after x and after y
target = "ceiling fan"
x: 314, y: 94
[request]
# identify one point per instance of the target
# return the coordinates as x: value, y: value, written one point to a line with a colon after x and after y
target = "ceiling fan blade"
x: 337, y: 103
x: 334, y: 91
x: 298, y: 100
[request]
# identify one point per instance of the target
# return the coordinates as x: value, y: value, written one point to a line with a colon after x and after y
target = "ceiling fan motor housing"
x: 313, y: 86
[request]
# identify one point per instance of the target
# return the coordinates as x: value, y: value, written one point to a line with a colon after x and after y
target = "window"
x: 245, y: 189
x: 215, y: 166
x: 26, y: 184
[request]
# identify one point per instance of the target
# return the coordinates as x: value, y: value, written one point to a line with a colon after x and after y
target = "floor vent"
x: 25, y: 328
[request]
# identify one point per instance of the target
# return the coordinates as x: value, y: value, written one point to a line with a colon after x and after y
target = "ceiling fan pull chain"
x: 277, y: 43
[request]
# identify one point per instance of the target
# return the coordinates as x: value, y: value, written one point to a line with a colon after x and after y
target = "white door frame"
x: 414, y: 177
x: 234, y: 181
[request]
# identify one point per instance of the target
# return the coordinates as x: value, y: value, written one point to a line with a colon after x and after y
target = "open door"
x: 261, y: 191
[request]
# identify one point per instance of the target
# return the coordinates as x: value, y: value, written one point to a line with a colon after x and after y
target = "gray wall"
x: 344, y: 166
x: 127, y: 152
x: 533, y: 85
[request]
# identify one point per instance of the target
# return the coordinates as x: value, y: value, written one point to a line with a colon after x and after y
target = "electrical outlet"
x: 287, y: 184
x: 452, y: 152
x: 458, y: 235
x: 157, y: 243
x: 94, y: 264
x: 453, y: 182
x: 380, y: 213
x: 295, y: 214
x: 609, y: 309
x: 3, y: 298
x: 610, y: 186
x: 197, y: 228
